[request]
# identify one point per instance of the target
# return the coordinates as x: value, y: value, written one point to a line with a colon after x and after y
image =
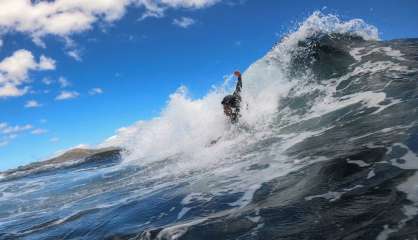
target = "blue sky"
x: 112, y: 65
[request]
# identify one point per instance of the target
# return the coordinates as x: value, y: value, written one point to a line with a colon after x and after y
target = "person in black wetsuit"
x: 231, y: 103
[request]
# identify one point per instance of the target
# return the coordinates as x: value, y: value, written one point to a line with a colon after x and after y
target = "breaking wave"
x: 186, y: 126
x: 326, y: 148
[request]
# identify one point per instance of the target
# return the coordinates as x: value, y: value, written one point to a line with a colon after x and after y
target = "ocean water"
x: 326, y: 149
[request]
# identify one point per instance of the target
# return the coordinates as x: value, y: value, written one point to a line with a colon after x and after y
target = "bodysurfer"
x: 232, y: 103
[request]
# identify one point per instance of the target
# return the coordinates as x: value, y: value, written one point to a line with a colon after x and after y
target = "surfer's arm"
x: 239, y: 86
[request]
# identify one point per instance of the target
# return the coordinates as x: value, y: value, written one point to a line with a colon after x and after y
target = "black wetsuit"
x: 234, y: 101
x: 237, y: 92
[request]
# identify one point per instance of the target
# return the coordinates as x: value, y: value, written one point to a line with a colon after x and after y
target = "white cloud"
x: 38, y: 131
x: 156, y: 8
x: 32, y: 104
x: 9, y: 90
x: 64, y: 82
x: 47, y: 81
x: 15, y: 68
x: 11, y: 136
x: 15, y: 129
x: 46, y: 63
x: 184, y: 22
x: 95, y: 91
x: 54, y: 139
x: 64, y: 95
x: 9, y: 132
x: 75, y: 55
x: 65, y: 17
x: 4, y: 143
x: 1, y: 43
x: 14, y: 71
x: 60, y: 17
x: 189, y: 3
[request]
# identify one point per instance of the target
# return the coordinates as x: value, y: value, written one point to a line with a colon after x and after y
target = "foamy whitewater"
x: 326, y: 148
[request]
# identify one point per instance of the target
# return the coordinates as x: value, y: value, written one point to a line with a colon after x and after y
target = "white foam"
x: 356, y: 53
x: 394, y: 53
x: 196, y: 197
x: 330, y: 104
x: 175, y: 232
x: 410, y: 158
x: 410, y: 187
x: 385, y: 233
x: 371, y: 174
x: 333, y: 196
x: 246, y: 197
x: 380, y: 66
x: 254, y: 219
x: 183, y: 212
x: 359, y: 53
x: 359, y: 163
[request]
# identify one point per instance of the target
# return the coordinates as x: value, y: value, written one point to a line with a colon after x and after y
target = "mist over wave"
x: 326, y: 148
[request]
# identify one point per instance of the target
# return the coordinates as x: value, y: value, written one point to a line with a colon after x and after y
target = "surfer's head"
x: 237, y: 73
x: 229, y: 100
